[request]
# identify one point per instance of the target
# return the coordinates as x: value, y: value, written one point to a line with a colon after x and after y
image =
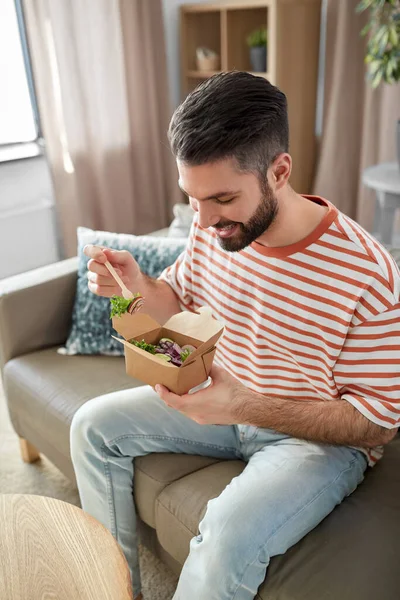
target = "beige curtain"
x: 100, y: 74
x: 359, y: 123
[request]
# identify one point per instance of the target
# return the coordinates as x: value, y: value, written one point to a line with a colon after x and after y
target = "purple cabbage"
x: 173, y: 350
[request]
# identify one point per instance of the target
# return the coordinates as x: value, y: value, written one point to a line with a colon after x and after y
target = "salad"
x: 119, y: 305
x: 167, y: 350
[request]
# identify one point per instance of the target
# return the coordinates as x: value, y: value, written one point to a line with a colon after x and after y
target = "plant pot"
x: 258, y: 58
x: 208, y: 64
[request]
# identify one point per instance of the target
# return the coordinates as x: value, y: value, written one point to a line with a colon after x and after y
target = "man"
x: 306, y: 382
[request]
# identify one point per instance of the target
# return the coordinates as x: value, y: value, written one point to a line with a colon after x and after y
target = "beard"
x: 259, y: 222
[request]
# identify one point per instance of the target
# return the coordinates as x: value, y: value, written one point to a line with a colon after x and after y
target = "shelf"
x: 199, y: 29
x: 293, y: 29
x: 240, y: 23
x: 207, y: 74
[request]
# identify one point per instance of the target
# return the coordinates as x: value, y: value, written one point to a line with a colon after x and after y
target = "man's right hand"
x: 101, y: 282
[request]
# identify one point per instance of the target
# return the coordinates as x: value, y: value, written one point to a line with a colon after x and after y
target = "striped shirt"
x: 318, y: 319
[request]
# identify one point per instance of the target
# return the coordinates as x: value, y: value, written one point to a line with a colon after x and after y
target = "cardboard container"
x: 199, y: 329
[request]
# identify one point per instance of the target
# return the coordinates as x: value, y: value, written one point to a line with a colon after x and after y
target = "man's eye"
x: 224, y: 201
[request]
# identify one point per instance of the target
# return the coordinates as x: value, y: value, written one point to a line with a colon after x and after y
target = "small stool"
x: 51, y: 549
x: 385, y: 180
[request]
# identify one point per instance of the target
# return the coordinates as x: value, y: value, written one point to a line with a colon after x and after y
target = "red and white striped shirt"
x: 319, y: 319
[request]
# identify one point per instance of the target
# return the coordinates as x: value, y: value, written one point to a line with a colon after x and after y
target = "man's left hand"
x: 219, y: 404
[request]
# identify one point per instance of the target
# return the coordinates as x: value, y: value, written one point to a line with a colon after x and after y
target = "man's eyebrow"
x: 213, y: 196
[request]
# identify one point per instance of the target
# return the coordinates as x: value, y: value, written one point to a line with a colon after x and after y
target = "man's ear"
x: 281, y: 169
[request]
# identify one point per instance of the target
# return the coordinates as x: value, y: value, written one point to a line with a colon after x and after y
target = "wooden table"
x: 51, y: 549
x: 385, y: 180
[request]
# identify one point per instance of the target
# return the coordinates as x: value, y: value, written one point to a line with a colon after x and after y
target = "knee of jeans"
x: 86, y: 425
x: 232, y: 535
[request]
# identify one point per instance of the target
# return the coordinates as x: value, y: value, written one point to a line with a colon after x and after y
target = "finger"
x: 104, y: 280
x: 118, y: 257
x: 168, y: 397
x: 105, y: 291
x: 95, y: 267
x: 95, y: 252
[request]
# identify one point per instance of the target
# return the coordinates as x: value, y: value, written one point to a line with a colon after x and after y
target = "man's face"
x: 230, y: 202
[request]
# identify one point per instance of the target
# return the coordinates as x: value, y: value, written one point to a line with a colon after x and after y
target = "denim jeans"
x: 287, y: 487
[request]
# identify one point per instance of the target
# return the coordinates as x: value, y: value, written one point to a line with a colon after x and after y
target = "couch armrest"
x: 36, y: 308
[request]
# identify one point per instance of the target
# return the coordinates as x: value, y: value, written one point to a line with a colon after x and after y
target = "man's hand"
x: 101, y: 282
x: 219, y: 404
x: 229, y: 402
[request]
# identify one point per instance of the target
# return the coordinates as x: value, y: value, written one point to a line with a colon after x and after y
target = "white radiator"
x: 27, y: 237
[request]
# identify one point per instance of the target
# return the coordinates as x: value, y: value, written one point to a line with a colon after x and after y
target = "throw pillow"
x: 91, y: 328
x: 180, y: 226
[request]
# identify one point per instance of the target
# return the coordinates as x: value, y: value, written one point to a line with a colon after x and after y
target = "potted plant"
x: 383, y: 47
x: 257, y: 42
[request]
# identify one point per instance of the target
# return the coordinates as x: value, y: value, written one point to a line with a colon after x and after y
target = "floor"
x: 43, y: 478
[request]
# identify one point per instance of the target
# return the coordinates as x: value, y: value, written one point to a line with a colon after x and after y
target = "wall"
x: 27, y: 223
x: 172, y: 34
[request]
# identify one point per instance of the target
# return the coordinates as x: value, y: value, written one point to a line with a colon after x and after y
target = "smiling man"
x: 306, y: 382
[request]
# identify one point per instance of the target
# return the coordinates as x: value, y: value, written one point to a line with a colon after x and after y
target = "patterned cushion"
x: 180, y: 226
x: 91, y: 328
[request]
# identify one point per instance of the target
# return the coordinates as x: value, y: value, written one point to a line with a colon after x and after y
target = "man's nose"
x: 207, y: 215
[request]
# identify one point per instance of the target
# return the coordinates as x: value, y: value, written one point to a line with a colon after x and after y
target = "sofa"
x: 352, y: 555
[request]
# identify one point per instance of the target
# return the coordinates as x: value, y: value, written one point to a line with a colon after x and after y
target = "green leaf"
x: 395, y: 64
x: 379, y: 34
x: 384, y: 42
x: 363, y: 5
x: 185, y: 354
x: 374, y: 67
x: 377, y: 79
x: 258, y: 37
x: 393, y: 37
x: 366, y: 29
x: 388, y: 73
x: 144, y: 346
x: 119, y: 305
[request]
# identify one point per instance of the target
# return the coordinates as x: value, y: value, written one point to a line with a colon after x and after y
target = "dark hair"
x: 231, y: 115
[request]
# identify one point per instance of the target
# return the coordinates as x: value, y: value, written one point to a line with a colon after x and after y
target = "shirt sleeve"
x: 367, y: 372
x: 179, y: 274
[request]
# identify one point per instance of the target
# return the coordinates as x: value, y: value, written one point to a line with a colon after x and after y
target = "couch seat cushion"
x: 48, y: 388
x: 155, y: 472
x: 352, y: 555
x: 181, y: 506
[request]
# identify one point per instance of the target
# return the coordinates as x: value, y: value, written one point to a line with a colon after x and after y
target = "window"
x: 18, y: 111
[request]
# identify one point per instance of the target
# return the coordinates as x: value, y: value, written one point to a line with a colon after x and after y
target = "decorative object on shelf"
x: 383, y: 48
x: 207, y: 60
x: 257, y: 42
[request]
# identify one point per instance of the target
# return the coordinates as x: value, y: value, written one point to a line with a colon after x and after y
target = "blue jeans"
x: 287, y: 487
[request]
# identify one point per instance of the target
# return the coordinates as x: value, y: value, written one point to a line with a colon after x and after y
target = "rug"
x: 44, y: 479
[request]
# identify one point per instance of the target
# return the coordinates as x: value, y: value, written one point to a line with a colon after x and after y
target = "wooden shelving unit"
x: 293, y: 28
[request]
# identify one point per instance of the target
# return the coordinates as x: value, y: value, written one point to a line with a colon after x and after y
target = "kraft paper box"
x: 199, y: 329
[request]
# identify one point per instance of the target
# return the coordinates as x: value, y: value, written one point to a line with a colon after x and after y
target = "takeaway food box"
x: 198, y: 329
